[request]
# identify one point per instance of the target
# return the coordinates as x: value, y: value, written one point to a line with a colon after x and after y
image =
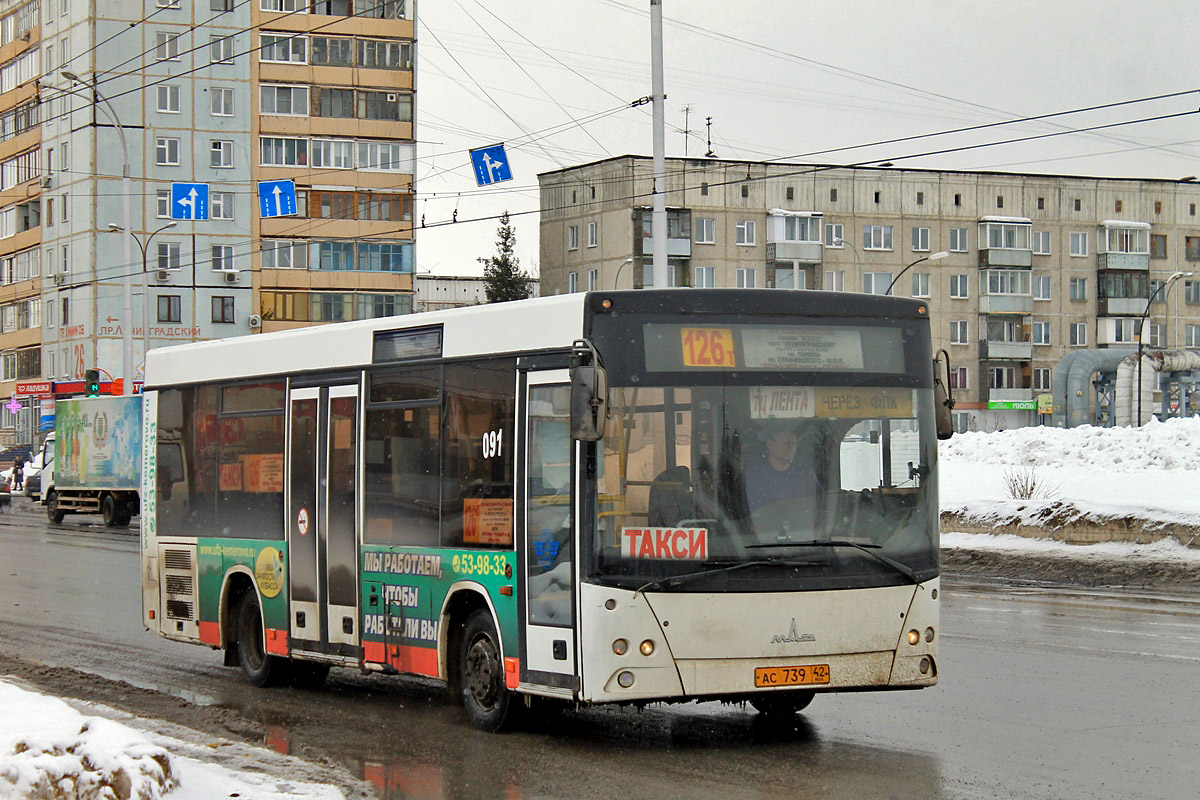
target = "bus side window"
x: 548, y: 528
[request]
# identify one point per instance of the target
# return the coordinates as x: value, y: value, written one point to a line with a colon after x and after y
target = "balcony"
x: 1011, y: 399
x: 1126, y: 261
x: 803, y: 252
x: 1121, y: 306
x: 1005, y: 257
x: 1005, y: 351
x: 679, y: 247
x: 1005, y: 304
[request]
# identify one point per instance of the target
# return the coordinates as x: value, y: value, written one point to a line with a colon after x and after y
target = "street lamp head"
x: 168, y: 225
x: 938, y: 256
x: 71, y: 76
x: 115, y: 228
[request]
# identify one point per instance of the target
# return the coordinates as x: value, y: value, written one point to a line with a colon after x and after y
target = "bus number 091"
x: 492, y: 441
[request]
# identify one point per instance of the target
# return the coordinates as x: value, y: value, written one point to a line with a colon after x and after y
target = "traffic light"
x: 92, y: 383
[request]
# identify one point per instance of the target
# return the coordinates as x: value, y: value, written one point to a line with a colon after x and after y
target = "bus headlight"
x: 625, y: 679
x: 620, y: 647
x: 914, y: 636
x: 929, y: 634
x: 647, y: 648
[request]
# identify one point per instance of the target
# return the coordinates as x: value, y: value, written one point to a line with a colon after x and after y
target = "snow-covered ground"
x: 49, y: 749
x: 1151, y: 473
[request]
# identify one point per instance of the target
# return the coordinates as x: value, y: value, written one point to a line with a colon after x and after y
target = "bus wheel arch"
x: 473, y: 660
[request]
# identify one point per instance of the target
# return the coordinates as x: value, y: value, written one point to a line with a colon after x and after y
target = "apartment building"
x: 220, y: 92
x: 1018, y: 269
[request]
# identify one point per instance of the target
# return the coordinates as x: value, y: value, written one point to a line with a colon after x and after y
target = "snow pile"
x: 47, y: 749
x: 1170, y: 445
x: 1163, y: 550
x: 1144, y: 477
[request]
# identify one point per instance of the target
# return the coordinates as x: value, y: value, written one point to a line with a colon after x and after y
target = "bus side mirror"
x: 943, y: 401
x: 589, y: 402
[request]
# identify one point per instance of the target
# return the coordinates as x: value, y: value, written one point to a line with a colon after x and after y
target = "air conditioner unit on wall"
x: 255, y: 321
x: 231, y: 277
x: 163, y: 274
x: 58, y: 278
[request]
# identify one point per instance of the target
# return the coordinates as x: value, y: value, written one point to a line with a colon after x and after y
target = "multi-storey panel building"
x: 218, y: 92
x: 1018, y: 270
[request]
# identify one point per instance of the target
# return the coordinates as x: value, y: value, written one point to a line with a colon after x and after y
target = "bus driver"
x: 776, y: 475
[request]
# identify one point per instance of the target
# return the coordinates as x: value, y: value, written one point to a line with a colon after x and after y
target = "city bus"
x: 622, y: 497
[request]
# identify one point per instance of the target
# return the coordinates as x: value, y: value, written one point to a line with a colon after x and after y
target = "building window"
x: 835, y: 280
x: 222, y: 258
x: 222, y: 309
x: 220, y: 49
x: 833, y: 235
x: 706, y: 230
x: 280, y: 152
x: 1078, y: 204
x: 833, y: 195
x: 920, y: 198
x: 593, y: 234
x: 704, y: 277
x: 168, y: 98
x: 958, y: 378
x: 1191, y: 248
x: 220, y: 205
x: 1117, y: 208
x: 920, y: 284
x: 999, y: 201
x: 168, y: 255
x: 746, y: 277
x: 283, y: 48
x: 1041, y: 243
x: 1078, y: 288
x: 49, y: 215
x: 1128, y: 240
x: 876, y: 282
x: 572, y: 237
x: 877, y: 237
x: 163, y: 202
x: 791, y: 193
x: 1079, y: 245
x: 1004, y: 235
x: 877, y: 197
x: 1191, y: 209
x: 1041, y: 333
x: 166, y: 46
x: 284, y: 254
x: 958, y: 331
x: 333, y: 153
x: 572, y: 282
x: 1191, y: 336
x: 382, y: 54
x: 1078, y: 334
x: 958, y: 287
x: 166, y: 151
x: 1002, y: 378
x: 283, y: 100
x: 703, y: 189
x: 221, y: 154
x: 221, y: 101
x: 170, y: 308
x: 1042, y: 377
x: 1041, y: 204
x: 745, y: 232
x: 65, y: 210
x: 591, y: 280
x: 920, y: 239
x: 332, y: 51
x: 801, y: 229
x: 220, y: 5
x: 958, y: 240
x: 1158, y: 335
x: 745, y: 190
x: 283, y: 5
x: 1007, y: 281
x: 1041, y: 287
x: 958, y: 199
x: 1158, y: 245
x: 1191, y: 292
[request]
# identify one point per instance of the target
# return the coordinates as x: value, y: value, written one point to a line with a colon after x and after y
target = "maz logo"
x: 793, y: 636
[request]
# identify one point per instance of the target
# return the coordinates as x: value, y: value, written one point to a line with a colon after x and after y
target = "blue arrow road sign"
x: 189, y: 201
x: 277, y: 198
x: 491, y: 165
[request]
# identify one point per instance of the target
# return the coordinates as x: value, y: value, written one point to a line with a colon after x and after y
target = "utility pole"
x: 658, y: 219
x: 687, y: 131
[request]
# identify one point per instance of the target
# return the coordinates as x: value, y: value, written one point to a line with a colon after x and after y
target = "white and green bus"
x: 611, y: 497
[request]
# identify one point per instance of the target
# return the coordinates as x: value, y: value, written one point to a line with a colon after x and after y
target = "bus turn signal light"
x: 914, y: 636
x: 647, y: 647
x: 620, y: 647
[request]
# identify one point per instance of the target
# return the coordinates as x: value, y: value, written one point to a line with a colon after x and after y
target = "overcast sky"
x: 786, y: 78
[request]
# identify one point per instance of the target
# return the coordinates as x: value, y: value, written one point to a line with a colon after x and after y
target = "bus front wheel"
x: 490, y: 706
x: 53, y: 512
x: 260, y: 668
x: 782, y: 704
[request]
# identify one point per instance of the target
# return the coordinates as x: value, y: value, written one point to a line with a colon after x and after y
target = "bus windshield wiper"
x: 719, y: 568
x: 869, y: 549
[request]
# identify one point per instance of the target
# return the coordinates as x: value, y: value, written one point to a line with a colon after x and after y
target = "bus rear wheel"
x: 260, y: 668
x: 782, y: 704
x: 110, y: 511
x: 53, y: 512
x: 490, y: 706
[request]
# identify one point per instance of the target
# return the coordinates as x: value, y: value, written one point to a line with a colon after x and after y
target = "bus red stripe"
x: 512, y: 672
x: 210, y: 633
x: 277, y: 642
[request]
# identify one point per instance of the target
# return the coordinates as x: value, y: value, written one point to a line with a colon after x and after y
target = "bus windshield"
x: 808, y: 462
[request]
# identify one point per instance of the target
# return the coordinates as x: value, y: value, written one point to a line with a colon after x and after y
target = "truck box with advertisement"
x: 97, y: 466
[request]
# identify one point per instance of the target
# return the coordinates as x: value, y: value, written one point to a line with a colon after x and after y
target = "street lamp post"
x: 144, y: 246
x: 617, y: 277
x: 1164, y: 288
x: 935, y: 257
x: 127, y: 191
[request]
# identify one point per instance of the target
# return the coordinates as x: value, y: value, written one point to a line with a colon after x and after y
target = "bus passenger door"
x: 322, y: 519
x: 548, y: 641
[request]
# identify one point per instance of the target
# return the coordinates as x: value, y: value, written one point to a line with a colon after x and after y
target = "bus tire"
x: 489, y: 705
x: 110, y: 511
x: 782, y: 704
x: 260, y: 668
x: 53, y: 512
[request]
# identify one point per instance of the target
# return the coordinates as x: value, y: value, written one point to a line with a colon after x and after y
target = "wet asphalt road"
x: 1044, y: 693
